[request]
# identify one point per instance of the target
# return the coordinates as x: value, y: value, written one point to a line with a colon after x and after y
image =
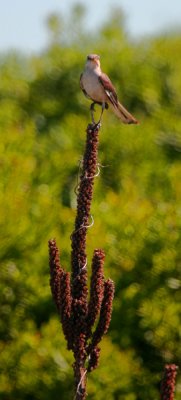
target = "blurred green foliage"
x: 136, y: 209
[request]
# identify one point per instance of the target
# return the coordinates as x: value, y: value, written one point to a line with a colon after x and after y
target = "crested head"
x: 93, y: 61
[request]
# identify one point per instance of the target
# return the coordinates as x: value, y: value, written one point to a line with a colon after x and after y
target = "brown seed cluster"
x: 94, y: 359
x: 168, y: 382
x: 77, y: 314
x: 61, y: 292
x: 105, y: 313
x: 96, y: 288
x: 84, y: 199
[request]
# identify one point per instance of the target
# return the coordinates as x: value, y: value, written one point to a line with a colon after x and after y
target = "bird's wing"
x: 119, y: 109
x: 109, y: 89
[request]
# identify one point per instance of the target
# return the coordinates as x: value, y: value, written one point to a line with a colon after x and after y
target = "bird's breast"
x: 93, y: 87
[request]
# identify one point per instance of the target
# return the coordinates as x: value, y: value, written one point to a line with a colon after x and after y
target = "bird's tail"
x: 123, y: 114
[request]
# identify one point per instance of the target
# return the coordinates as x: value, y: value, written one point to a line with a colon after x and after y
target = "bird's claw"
x: 98, y: 125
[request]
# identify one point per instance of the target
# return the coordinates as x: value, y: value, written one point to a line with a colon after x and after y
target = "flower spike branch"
x: 78, y: 314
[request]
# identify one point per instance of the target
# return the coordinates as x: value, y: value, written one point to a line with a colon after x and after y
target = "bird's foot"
x: 98, y: 125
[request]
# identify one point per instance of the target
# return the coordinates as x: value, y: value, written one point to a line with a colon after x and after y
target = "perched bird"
x: 98, y: 87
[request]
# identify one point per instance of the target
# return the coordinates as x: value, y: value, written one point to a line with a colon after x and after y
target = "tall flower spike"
x: 85, y: 192
x: 78, y: 237
x: 168, y: 382
x: 71, y: 295
x: 79, y: 258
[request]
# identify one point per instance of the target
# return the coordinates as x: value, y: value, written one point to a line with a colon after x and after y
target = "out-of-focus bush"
x: 136, y: 208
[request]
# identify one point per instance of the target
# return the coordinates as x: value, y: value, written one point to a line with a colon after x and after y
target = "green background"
x: 136, y: 209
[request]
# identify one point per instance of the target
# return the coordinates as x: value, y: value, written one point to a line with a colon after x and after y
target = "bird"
x: 97, y: 86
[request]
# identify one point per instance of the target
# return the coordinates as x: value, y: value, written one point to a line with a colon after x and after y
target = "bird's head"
x: 93, y: 61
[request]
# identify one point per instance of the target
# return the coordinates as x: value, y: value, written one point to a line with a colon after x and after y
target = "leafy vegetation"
x: 136, y: 209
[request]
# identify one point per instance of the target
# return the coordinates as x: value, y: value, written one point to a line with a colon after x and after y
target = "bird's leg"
x: 92, y: 110
x: 104, y: 105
